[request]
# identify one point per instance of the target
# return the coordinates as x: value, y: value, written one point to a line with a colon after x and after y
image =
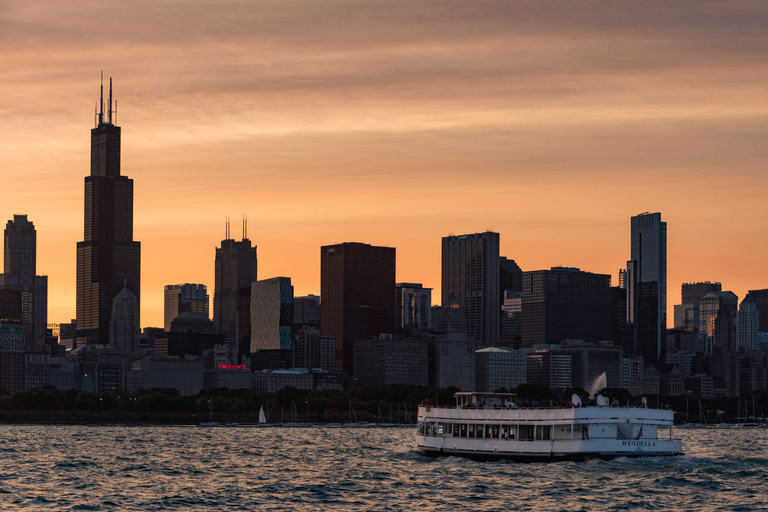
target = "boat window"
x: 526, y: 432
x: 463, y: 430
x: 471, y: 431
x: 508, y: 431
x: 488, y: 431
x: 543, y: 432
x: 456, y: 430
x: 495, y: 432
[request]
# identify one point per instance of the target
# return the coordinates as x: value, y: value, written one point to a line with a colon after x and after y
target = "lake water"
x: 190, y: 468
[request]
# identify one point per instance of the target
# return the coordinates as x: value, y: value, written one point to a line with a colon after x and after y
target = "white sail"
x: 262, y: 418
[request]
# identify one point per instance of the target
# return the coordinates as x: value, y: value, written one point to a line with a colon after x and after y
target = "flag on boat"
x: 640, y: 433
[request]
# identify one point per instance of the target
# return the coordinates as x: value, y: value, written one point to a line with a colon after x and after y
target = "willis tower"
x: 108, y: 258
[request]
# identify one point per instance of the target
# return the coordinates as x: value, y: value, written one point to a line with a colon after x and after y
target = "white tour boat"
x: 490, y: 426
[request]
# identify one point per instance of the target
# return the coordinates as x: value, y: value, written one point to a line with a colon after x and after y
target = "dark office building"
x: 692, y: 292
x: 184, y: 298
x: 470, y: 275
x: 510, y: 275
x: 108, y: 258
x: 20, y: 275
x: 235, y: 271
x: 620, y: 331
x: 647, y: 285
x: 385, y: 361
x: 565, y: 303
x: 357, y: 289
x: 10, y: 305
x: 760, y: 299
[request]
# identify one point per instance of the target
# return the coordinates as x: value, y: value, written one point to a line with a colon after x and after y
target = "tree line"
x: 393, y: 403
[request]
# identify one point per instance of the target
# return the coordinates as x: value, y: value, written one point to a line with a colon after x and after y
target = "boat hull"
x: 549, y: 452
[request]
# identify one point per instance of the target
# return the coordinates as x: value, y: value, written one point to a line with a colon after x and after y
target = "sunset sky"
x: 394, y: 123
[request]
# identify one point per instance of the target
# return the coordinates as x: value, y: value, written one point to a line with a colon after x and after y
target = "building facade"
x: 184, y: 298
x: 470, y: 276
x: 272, y: 314
x: 565, y: 303
x: 414, y: 306
x: 108, y: 258
x: 384, y: 361
x: 357, y: 289
x: 497, y: 367
x: 19, y: 275
x: 235, y: 271
x: 647, y: 285
x: 124, y: 329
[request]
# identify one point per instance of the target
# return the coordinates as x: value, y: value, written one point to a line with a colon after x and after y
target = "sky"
x: 394, y: 123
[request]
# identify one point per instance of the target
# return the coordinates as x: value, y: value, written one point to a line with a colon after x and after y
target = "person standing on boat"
x: 537, y: 404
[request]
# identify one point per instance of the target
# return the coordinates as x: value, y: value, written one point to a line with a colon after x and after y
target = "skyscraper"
x: 357, y: 290
x: 235, y: 271
x: 272, y: 318
x: 470, y: 272
x: 20, y: 276
x: 124, y: 330
x: 184, y: 298
x: 565, y: 303
x: 108, y: 257
x: 647, y: 285
x: 413, y: 306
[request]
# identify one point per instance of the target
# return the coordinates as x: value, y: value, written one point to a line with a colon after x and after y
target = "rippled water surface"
x: 189, y: 468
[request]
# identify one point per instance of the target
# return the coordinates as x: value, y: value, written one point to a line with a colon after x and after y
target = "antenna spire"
x: 109, y: 112
x: 101, y: 101
x: 245, y: 226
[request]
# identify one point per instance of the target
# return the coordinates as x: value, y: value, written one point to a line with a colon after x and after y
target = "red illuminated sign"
x: 233, y: 367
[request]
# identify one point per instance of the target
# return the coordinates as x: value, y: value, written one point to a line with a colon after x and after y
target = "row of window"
x: 486, y: 431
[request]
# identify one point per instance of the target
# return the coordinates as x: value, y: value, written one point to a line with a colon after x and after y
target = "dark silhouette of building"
x: 620, y: 332
x: 306, y: 311
x: 760, y: 299
x: 687, y: 312
x: 510, y: 275
x: 413, y: 306
x: 386, y: 361
x: 718, y: 312
x: 108, y: 257
x: 647, y: 285
x: 692, y: 292
x: 235, y: 271
x: 11, y: 357
x: 565, y: 303
x: 184, y: 298
x: 470, y: 272
x: 357, y: 290
x: 124, y: 330
x: 20, y: 275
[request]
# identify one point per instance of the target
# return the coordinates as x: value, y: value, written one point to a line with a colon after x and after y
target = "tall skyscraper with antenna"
x: 108, y: 256
x: 235, y: 271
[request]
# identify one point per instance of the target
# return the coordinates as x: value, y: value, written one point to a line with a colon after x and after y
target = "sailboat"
x: 210, y: 422
x: 263, y: 418
x: 381, y: 418
x: 349, y: 423
x: 294, y: 417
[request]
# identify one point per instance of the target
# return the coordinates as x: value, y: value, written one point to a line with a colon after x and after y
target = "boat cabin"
x: 476, y: 400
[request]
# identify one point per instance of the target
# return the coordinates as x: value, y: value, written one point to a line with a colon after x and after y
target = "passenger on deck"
x: 615, y: 403
x: 511, y: 404
x: 537, y: 404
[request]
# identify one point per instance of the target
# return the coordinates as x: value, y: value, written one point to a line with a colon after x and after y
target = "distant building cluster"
x: 497, y: 326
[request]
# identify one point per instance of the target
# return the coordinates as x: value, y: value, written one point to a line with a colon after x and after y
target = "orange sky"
x: 394, y: 123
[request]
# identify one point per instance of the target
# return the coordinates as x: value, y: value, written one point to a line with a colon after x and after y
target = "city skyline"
x: 395, y: 125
